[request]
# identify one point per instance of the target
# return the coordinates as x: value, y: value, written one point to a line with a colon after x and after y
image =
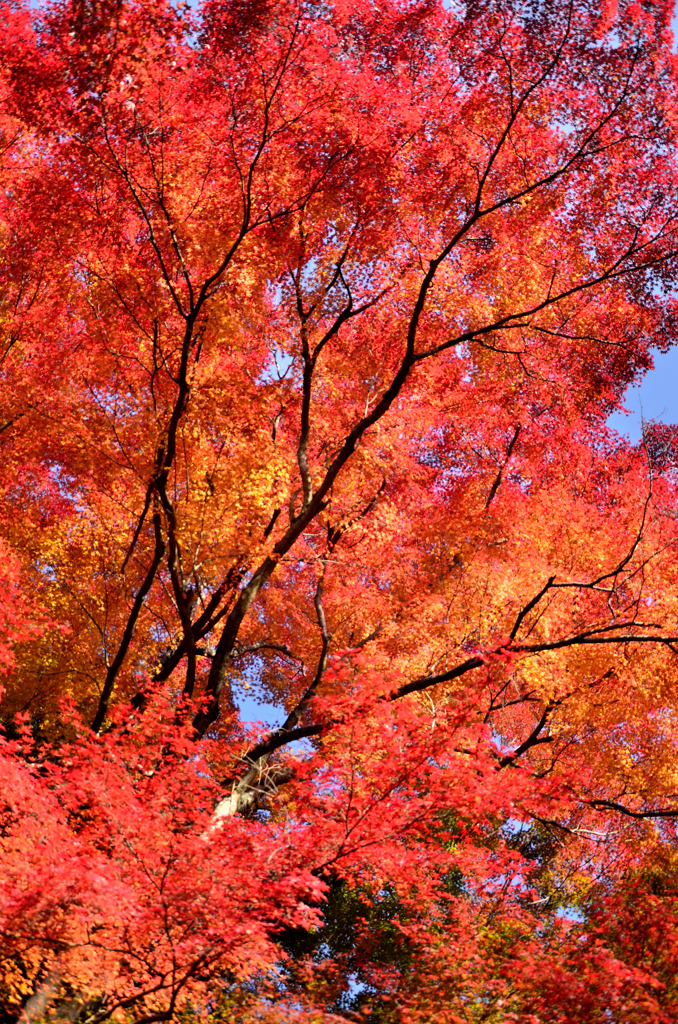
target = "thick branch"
x: 612, y: 805
x: 497, y: 481
x: 116, y: 664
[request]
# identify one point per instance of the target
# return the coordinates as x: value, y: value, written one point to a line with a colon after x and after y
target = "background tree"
x: 312, y: 319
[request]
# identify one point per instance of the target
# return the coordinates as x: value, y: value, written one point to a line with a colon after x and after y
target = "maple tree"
x: 312, y: 319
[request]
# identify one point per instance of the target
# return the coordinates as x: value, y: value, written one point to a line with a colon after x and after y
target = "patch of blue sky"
x: 276, y: 368
x: 655, y: 397
x: 252, y: 707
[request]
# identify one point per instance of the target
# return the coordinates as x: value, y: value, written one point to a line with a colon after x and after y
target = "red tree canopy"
x: 312, y: 315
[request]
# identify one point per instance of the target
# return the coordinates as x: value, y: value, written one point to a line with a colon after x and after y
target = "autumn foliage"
x: 311, y: 319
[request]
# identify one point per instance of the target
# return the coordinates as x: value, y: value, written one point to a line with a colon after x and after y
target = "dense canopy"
x: 311, y: 319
